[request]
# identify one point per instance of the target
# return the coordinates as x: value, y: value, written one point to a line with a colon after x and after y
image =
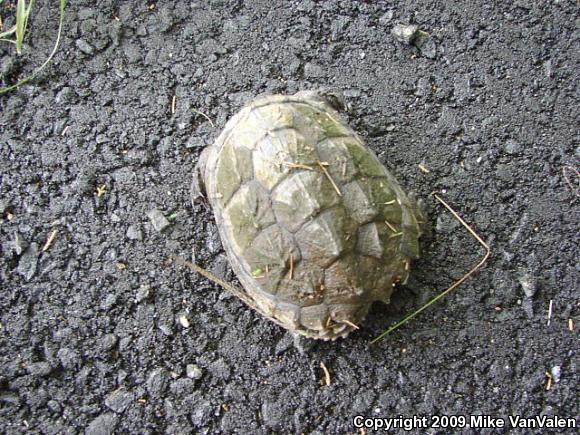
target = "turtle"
x: 314, y: 226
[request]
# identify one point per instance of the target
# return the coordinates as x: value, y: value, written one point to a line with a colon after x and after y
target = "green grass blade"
x: 47, y: 61
x: 22, y: 14
x: 8, y: 33
x: 20, y: 23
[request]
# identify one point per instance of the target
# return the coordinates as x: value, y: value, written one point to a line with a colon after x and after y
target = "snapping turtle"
x: 314, y: 226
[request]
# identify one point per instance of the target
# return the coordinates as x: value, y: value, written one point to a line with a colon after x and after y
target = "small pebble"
x: 158, y: 220
x: 182, y: 387
x: 54, y: 406
x: 387, y: 17
x: 69, y: 359
x: 119, y: 400
x: 107, y: 342
x: 512, y: 147
x: 405, y: 33
x: 312, y: 70
x: 18, y: 244
x: 157, y: 382
x: 109, y: 302
x: 39, y: 369
x: 426, y: 45
x: 529, y: 284
x: 184, y: 321
x: 423, y: 87
x: 84, y: 46
x: 28, y: 262
x: 337, y: 28
x: 556, y: 373
x: 143, y: 293
x: 134, y: 232
x: 104, y: 424
x: 193, y: 371
x: 166, y: 330
x: 219, y: 369
x: 202, y: 413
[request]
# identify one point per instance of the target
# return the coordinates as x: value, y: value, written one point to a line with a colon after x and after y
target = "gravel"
x: 488, y: 102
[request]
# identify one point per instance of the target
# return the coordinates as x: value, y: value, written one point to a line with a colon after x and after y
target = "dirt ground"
x: 98, y: 333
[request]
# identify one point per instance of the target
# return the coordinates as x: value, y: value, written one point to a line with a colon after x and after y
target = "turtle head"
x: 329, y: 96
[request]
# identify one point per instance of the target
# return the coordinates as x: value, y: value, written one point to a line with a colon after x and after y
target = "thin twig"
x: 452, y: 287
x: 49, y: 240
x: 214, y: 278
x: 321, y: 164
x: 297, y: 165
x: 236, y: 291
x: 199, y: 112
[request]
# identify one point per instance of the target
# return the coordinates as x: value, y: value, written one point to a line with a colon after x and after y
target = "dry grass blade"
x: 391, y: 227
x: 49, y: 241
x: 452, y: 287
x: 550, y: 311
x: 323, y: 167
x: 326, y: 381
x: 214, y: 278
x: 423, y: 168
x: 199, y: 112
x: 549, y: 383
x: 575, y: 189
x: 236, y: 291
x: 349, y: 323
x: 296, y: 165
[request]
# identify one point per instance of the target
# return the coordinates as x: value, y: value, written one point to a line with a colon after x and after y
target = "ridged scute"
x: 314, y: 225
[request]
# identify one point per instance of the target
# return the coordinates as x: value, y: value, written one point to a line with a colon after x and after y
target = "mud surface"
x: 98, y: 333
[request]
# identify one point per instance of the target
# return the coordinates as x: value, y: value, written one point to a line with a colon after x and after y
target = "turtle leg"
x: 198, y: 191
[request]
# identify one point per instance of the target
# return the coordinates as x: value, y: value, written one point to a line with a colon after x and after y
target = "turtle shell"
x: 315, y: 227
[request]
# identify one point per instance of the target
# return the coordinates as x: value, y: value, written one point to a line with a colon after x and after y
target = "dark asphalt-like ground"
x: 100, y: 334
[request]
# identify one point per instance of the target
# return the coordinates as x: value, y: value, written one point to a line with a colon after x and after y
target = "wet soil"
x: 100, y: 333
